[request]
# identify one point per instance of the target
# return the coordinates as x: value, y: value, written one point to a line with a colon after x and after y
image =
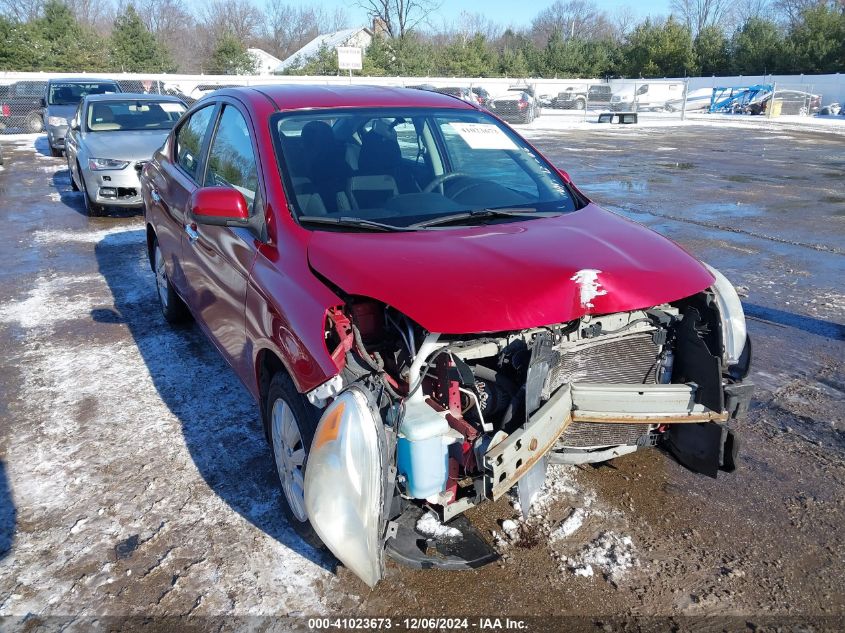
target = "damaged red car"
x: 428, y: 312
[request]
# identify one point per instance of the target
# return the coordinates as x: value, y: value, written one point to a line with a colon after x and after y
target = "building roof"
x: 264, y: 55
x: 329, y: 40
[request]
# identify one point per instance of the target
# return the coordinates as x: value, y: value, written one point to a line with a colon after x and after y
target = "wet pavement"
x: 135, y: 480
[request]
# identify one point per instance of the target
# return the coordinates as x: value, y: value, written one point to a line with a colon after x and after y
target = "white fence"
x: 575, y: 97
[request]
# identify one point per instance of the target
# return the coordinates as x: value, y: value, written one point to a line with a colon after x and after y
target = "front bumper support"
x: 509, y: 460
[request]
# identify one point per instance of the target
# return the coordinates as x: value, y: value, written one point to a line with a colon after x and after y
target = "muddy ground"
x: 134, y: 477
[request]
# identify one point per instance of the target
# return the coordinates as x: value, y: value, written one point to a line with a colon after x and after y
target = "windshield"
x: 132, y: 114
x: 407, y: 166
x: 71, y: 93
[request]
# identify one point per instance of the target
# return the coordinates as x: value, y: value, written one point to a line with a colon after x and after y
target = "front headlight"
x: 344, y: 483
x: 57, y: 121
x: 734, y: 332
x: 102, y: 164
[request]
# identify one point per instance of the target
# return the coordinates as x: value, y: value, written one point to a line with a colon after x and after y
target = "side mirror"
x: 219, y: 206
x: 74, y: 125
x: 563, y: 174
x: 43, y: 102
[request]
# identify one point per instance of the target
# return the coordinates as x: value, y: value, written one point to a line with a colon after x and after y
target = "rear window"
x: 71, y: 93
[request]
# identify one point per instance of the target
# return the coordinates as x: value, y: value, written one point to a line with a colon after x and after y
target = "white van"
x: 644, y: 96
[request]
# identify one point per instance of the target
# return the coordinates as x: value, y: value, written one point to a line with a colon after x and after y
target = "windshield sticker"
x: 172, y: 107
x: 483, y: 136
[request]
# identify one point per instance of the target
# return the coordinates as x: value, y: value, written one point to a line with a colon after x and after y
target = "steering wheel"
x: 439, y: 180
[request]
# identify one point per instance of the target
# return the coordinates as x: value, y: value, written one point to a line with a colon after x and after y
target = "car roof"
x: 133, y: 96
x: 80, y: 80
x: 300, y: 97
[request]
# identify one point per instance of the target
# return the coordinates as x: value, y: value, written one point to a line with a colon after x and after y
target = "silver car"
x: 111, y: 138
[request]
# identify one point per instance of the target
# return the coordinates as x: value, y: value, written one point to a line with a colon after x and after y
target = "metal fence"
x: 543, y: 102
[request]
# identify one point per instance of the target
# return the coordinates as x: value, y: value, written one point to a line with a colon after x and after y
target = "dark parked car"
x: 517, y: 105
x: 62, y: 100
x: 21, y: 106
x: 424, y: 328
x: 482, y: 95
x: 461, y: 92
x: 793, y: 102
x: 578, y: 98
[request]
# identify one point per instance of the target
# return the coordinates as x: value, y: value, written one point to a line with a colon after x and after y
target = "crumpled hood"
x: 513, y: 275
x: 124, y: 145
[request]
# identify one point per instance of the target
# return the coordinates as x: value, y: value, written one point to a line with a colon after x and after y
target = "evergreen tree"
x: 659, y: 50
x: 134, y: 48
x: 65, y: 45
x: 230, y: 57
x: 818, y: 40
x: 712, y: 55
x: 758, y: 47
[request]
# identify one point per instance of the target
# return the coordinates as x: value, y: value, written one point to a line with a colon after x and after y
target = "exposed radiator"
x: 584, y: 434
x: 622, y: 359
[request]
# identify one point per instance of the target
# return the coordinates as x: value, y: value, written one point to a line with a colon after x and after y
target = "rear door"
x: 177, y: 177
x: 218, y: 259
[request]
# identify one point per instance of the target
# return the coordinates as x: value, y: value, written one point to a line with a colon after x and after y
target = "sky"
x: 505, y: 12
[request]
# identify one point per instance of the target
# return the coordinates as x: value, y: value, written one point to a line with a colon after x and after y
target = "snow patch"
x: 118, y: 236
x: 570, y: 525
x: 429, y: 525
x: 611, y: 553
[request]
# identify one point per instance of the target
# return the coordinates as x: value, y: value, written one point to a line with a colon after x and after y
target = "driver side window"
x: 231, y: 160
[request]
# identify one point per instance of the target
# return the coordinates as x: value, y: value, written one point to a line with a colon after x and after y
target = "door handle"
x: 192, y: 233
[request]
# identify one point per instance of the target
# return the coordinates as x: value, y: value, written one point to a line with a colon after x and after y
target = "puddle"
x: 611, y: 187
x: 677, y: 165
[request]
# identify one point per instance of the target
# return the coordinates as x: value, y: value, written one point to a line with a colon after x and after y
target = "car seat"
x: 327, y: 168
x: 102, y: 118
x: 379, y: 167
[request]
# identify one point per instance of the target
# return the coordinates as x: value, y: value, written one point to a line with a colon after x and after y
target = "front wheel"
x: 291, y: 422
x: 172, y: 306
x: 55, y: 153
x: 73, y: 185
x: 91, y: 208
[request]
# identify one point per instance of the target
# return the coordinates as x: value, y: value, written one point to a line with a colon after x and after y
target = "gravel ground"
x: 135, y: 480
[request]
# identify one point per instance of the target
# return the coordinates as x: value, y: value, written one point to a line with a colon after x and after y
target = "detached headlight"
x: 102, y: 164
x: 344, y: 483
x: 733, y: 318
x: 57, y: 121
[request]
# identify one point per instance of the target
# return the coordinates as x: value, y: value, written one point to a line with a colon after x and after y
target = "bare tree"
x: 288, y: 28
x: 399, y: 17
x: 791, y: 9
x: 700, y: 13
x: 744, y: 10
x: 570, y: 19
x: 165, y: 18
x: 21, y: 10
x: 239, y: 18
x: 624, y: 20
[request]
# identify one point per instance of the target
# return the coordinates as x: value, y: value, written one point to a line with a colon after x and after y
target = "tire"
x: 73, y: 185
x: 33, y: 123
x: 91, y: 208
x: 580, y: 104
x: 55, y: 153
x: 290, y: 422
x: 172, y: 307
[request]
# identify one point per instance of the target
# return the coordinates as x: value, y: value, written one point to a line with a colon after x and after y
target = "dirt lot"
x: 135, y: 480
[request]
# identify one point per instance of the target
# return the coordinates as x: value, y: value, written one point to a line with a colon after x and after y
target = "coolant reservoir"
x: 423, y: 453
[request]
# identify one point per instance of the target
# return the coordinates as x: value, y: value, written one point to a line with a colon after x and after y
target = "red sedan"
x: 428, y: 312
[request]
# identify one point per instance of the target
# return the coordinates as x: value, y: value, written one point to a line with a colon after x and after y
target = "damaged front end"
x: 430, y: 423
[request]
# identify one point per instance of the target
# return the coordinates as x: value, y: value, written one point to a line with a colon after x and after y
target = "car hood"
x: 66, y: 111
x: 513, y: 275
x: 128, y: 145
